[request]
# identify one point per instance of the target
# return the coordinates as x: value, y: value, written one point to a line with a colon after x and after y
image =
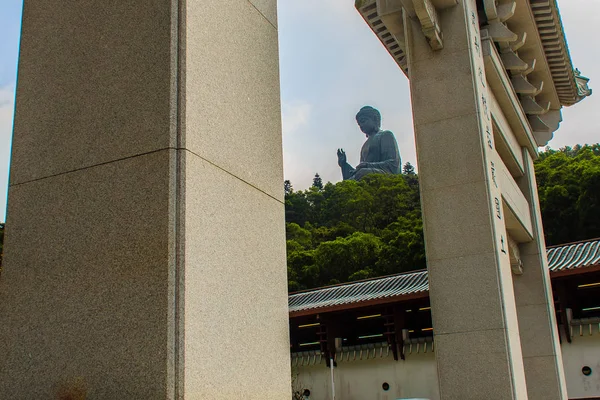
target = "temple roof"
x: 536, y: 22
x: 570, y: 85
x: 574, y: 256
x: 525, y: 38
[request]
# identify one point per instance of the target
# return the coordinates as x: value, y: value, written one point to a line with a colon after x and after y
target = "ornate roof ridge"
x: 570, y: 85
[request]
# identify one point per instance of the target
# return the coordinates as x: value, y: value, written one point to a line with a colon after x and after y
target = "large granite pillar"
x: 478, y: 350
x: 145, y: 244
x: 535, y: 306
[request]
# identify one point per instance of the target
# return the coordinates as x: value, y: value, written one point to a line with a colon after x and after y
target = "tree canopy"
x: 355, y: 230
x: 569, y: 191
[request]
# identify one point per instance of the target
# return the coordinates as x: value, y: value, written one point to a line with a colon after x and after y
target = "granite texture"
x: 84, y: 291
x: 268, y: 8
x: 541, y: 373
x: 93, y: 85
x: 236, y: 289
x: 484, y: 371
x: 529, y: 291
x: 535, y: 331
x: 476, y: 310
x: 453, y: 74
x: 456, y: 219
x: 513, y: 197
x: 106, y: 293
x: 233, y: 117
x: 478, y: 350
x: 503, y: 129
x: 448, y: 168
x: 533, y: 294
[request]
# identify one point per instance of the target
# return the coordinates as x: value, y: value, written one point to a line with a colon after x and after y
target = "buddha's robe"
x: 380, y: 153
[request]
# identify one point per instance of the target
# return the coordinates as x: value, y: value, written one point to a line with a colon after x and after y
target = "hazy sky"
x: 331, y: 65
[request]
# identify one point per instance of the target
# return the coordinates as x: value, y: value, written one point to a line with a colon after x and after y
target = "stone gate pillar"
x: 488, y: 79
x: 478, y: 349
x: 145, y: 243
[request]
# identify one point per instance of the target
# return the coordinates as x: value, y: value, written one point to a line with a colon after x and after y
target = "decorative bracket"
x: 515, y: 257
x: 502, y: 12
x: 430, y: 24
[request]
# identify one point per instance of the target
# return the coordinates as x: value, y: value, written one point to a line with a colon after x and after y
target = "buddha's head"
x: 369, y: 120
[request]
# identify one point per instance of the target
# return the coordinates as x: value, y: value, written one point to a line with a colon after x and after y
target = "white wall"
x: 360, y: 380
x: 417, y: 375
x: 582, y: 351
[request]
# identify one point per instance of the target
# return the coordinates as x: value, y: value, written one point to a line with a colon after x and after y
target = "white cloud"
x: 6, y: 122
x: 294, y: 116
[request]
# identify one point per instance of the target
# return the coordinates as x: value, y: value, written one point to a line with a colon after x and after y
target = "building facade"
x: 379, y: 333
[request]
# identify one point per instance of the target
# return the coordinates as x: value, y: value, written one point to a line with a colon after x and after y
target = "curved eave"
x: 554, y: 43
x: 546, y: 42
x: 389, y: 34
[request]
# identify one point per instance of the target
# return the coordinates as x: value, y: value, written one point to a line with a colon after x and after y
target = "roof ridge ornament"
x: 582, y: 84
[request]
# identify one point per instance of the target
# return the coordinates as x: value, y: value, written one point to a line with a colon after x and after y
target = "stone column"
x: 478, y: 350
x: 145, y: 243
x: 535, y: 306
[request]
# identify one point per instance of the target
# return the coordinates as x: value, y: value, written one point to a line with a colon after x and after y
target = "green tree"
x: 287, y: 187
x: 569, y: 193
x: 317, y: 182
x: 355, y: 230
x: 350, y: 230
x: 403, y: 246
x: 297, y: 208
x: 338, y: 260
x: 299, y: 235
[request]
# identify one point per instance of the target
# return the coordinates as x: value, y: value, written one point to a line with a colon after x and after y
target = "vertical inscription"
x: 485, y: 107
x: 488, y: 137
x: 481, y: 77
x: 481, y: 93
x: 498, y: 207
x: 475, y: 32
x: 477, y: 45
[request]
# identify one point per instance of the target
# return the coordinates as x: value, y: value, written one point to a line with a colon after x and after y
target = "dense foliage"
x: 569, y: 191
x: 353, y: 230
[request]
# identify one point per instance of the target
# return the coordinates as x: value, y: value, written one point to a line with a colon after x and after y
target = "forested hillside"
x: 569, y: 191
x: 354, y: 230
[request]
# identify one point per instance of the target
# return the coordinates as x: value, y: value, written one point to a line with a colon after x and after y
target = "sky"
x: 332, y: 64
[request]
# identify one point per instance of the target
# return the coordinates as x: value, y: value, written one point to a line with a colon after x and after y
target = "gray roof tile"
x: 560, y: 258
x: 573, y: 256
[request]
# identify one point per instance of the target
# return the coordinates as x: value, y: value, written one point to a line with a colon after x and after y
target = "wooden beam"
x: 563, y: 301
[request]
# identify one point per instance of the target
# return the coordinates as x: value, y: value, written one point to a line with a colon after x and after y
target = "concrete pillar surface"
x: 145, y: 239
x: 478, y: 350
x: 542, y: 355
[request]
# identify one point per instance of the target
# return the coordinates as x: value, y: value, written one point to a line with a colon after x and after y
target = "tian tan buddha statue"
x: 379, y: 154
